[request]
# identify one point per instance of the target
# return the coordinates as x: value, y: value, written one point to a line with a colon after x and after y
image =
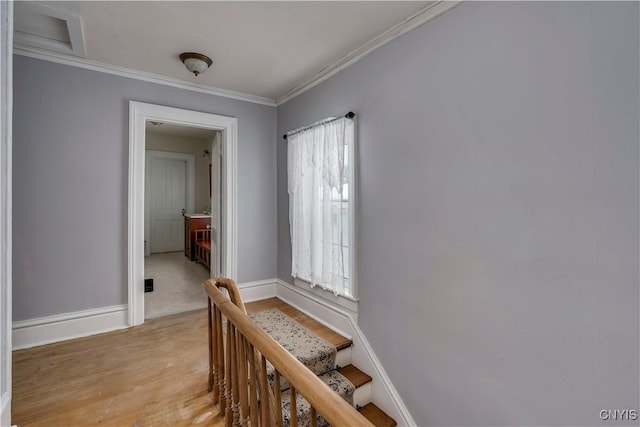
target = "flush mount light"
x: 196, y: 62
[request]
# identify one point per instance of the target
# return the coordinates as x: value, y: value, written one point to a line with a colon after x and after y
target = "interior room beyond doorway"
x: 182, y: 215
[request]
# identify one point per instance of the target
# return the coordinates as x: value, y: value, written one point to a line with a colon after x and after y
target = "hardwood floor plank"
x: 151, y: 375
x: 154, y: 374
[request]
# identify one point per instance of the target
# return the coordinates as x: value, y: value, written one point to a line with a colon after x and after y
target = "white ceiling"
x: 259, y: 48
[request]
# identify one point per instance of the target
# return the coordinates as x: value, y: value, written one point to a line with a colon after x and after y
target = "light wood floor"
x: 151, y: 375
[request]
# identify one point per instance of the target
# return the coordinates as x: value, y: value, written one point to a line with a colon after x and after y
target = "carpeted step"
x: 337, y: 340
x: 314, y: 352
x: 336, y: 381
x: 319, y: 355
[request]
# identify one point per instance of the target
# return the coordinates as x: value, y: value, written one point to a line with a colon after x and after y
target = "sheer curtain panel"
x: 318, y: 185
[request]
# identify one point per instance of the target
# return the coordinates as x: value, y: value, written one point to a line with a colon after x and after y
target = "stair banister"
x: 237, y: 375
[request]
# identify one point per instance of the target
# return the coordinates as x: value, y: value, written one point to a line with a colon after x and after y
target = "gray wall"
x: 499, y: 210
x: 70, y: 166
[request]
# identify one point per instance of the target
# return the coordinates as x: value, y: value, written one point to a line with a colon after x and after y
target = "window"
x: 321, y: 217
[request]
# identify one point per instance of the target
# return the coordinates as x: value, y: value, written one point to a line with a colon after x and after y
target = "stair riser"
x: 362, y: 395
x: 343, y: 357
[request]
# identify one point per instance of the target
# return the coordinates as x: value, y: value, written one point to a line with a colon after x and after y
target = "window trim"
x: 343, y: 301
x: 353, y: 206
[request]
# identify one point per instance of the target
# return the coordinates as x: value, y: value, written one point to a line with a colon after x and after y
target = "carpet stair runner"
x: 319, y: 356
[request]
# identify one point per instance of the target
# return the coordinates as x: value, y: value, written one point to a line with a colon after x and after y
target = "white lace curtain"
x: 318, y: 187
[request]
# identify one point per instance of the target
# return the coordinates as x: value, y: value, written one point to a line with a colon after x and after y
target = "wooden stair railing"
x: 238, y: 370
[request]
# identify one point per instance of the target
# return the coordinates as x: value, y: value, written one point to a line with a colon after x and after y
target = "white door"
x: 170, y: 195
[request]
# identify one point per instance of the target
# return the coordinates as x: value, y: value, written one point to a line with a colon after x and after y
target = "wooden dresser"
x: 192, y: 223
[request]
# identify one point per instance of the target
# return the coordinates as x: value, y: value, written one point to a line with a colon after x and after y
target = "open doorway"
x: 182, y: 211
x: 226, y: 227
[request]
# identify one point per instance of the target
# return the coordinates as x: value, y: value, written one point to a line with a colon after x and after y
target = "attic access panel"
x: 47, y: 28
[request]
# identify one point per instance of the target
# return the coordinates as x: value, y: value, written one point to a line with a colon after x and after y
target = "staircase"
x: 326, y: 353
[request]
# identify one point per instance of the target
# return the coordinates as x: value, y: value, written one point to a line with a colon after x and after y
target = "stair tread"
x: 355, y: 375
x: 377, y: 416
x: 315, y: 353
x: 313, y: 325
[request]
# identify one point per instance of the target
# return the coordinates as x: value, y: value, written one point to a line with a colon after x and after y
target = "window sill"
x: 345, y: 302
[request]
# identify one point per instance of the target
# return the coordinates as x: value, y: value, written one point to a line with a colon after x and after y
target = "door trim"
x: 139, y: 113
x: 6, y: 113
x: 191, y: 187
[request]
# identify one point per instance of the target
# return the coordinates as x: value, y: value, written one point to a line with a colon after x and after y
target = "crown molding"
x: 424, y: 15
x: 139, y: 75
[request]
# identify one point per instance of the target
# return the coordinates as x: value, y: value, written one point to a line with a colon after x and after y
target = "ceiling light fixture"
x: 196, y: 62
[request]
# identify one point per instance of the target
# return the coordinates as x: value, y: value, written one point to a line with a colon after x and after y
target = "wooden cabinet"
x: 190, y: 225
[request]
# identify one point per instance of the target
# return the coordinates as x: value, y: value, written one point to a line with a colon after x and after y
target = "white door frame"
x: 6, y: 109
x: 216, y: 205
x: 139, y: 113
x: 191, y: 187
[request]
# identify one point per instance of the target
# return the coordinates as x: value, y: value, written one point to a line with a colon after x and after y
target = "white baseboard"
x: 331, y: 315
x: 62, y: 327
x: 260, y: 289
x: 5, y: 410
x: 383, y: 392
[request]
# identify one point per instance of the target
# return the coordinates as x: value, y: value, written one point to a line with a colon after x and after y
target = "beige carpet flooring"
x: 177, y: 284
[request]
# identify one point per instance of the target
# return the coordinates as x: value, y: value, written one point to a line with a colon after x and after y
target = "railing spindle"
x: 264, y: 392
x: 253, y: 387
x: 278, y: 398
x: 314, y: 421
x: 218, y: 372
x: 242, y: 379
x: 211, y: 346
x: 293, y: 414
x: 228, y: 411
x: 235, y: 395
